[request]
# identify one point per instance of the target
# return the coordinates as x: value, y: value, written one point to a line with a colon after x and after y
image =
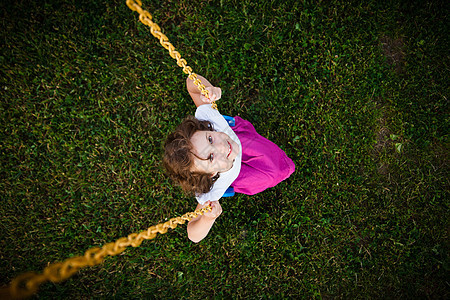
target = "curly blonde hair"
x: 178, y: 157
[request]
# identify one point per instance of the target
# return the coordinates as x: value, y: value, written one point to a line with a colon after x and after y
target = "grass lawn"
x: 355, y: 92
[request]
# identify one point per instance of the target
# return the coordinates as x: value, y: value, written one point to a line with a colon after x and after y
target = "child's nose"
x: 223, y: 149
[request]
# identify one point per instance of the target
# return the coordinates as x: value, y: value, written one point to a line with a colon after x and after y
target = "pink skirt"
x: 264, y: 164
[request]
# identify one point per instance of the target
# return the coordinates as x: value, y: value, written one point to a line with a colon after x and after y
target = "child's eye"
x: 211, y: 157
x: 210, y: 139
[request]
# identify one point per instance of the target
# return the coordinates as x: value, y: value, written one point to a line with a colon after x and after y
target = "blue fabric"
x: 229, y: 192
x: 230, y: 120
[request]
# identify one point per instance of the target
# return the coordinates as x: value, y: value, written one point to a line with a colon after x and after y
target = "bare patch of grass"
x: 394, y: 51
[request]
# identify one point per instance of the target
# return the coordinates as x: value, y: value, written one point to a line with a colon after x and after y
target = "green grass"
x: 354, y: 92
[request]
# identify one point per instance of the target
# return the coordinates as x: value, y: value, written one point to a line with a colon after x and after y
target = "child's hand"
x: 215, y: 93
x: 215, y: 211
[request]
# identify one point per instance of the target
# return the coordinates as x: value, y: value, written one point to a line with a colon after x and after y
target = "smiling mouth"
x: 231, y: 148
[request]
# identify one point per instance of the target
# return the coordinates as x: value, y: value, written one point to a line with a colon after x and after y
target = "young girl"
x: 206, y: 156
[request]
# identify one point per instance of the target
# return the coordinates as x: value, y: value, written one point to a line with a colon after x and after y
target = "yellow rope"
x: 27, y: 284
x: 146, y: 18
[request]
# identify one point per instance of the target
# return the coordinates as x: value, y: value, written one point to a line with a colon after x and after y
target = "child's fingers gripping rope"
x: 216, y: 209
x: 215, y: 93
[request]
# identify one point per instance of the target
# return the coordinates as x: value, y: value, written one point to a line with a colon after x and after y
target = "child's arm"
x: 214, y: 92
x: 199, y: 227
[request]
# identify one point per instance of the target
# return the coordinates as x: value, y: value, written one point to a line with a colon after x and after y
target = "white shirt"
x: 206, y: 113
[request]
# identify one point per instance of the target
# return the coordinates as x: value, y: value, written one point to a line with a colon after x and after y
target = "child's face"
x: 216, y: 148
